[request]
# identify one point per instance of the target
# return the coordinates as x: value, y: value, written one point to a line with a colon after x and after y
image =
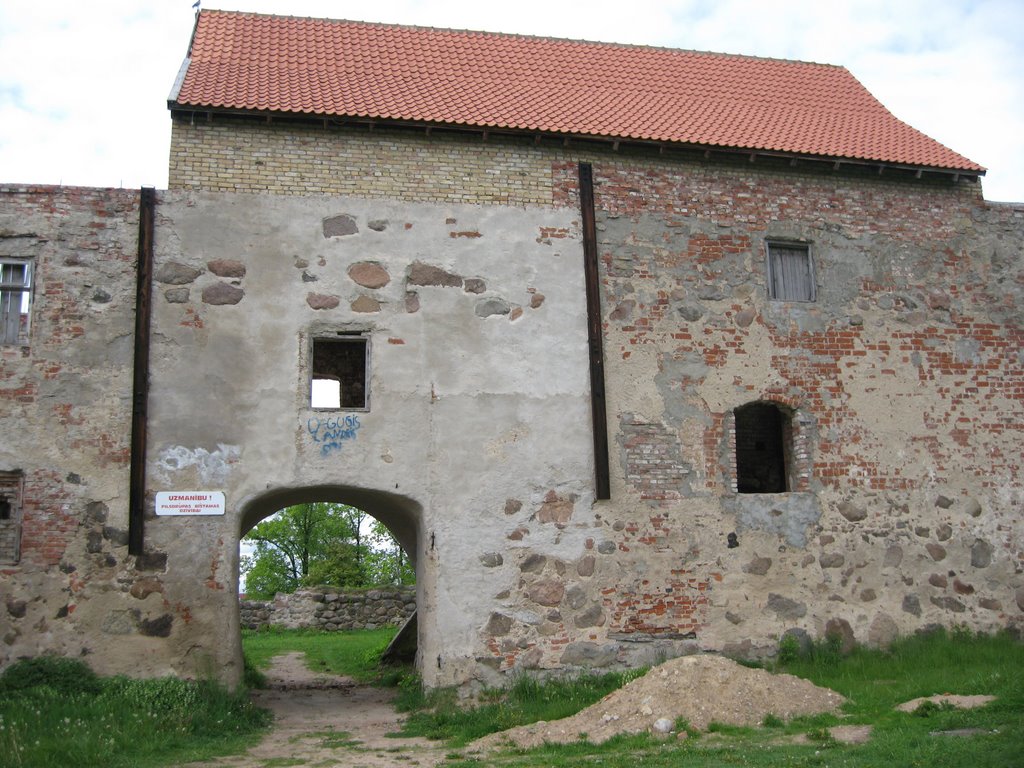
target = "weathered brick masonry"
x: 65, y: 415
x: 900, y: 390
x: 903, y: 379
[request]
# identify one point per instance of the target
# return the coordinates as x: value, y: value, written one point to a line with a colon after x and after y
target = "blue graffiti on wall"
x: 332, y: 431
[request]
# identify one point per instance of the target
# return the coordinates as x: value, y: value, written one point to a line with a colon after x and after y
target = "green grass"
x: 56, y: 712
x: 874, y: 683
x: 356, y: 654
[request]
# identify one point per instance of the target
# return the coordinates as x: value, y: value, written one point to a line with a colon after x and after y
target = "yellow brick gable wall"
x: 403, y: 165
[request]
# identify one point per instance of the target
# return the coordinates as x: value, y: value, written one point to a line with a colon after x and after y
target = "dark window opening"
x: 15, y: 298
x: 339, y: 372
x: 790, y: 272
x: 762, y: 433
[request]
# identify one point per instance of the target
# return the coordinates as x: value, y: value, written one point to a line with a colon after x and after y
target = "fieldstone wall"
x: 317, y: 609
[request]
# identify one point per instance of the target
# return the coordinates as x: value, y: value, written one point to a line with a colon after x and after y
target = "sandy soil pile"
x: 699, y: 689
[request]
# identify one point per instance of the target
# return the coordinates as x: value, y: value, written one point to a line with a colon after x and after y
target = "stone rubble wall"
x: 332, y: 611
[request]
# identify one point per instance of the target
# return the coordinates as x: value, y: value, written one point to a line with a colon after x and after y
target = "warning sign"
x: 190, y: 503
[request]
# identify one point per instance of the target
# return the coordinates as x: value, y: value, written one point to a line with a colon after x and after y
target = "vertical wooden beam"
x: 140, y: 381
x: 595, y: 333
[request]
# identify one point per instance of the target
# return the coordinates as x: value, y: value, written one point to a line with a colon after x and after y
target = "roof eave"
x: 617, y: 142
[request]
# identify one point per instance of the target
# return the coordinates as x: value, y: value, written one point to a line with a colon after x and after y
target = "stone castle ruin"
x: 637, y: 352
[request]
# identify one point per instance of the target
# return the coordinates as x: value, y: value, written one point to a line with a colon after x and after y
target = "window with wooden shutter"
x: 15, y: 298
x: 790, y: 272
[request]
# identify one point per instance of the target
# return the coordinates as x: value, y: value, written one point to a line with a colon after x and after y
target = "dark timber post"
x: 140, y: 382
x: 595, y: 333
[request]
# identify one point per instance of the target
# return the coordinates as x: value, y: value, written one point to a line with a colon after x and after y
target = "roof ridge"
x: 524, y: 36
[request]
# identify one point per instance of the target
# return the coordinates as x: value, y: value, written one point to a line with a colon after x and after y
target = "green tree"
x: 387, y: 562
x: 320, y: 543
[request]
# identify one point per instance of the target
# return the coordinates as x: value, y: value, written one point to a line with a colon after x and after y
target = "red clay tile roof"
x: 351, y: 69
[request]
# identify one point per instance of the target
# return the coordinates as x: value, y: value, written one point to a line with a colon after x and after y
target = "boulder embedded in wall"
x: 972, y: 507
x: 491, y: 559
x: 533, y: 564
x: 498, y: 625
x: 937, y: 299
x: 173, y: 273
x: 911, y: 605
x: 981, y: 554
x: 589, y: 655
x: 556, y: 509
x: 547, y: 592
x: 944, y: 532
x: 852, y: 512
x: 943, y: 502
x: 158, y: 627
x: 575, y: 597
x: 120, y: 622
x: 143, y: 588
x: 365, y: 305
x: 176, y: 295
x: 623, y: 310
x: 495, y: 306
x: 16, y: 608
x: 962, y: 588
x: 949, y: 604
x: 832, y: 560
x: 1019, y: 598
x: 841, y: 631
x: 322, y: 301
x: 883, y: 631
x: 592, y: 617
x: 226, y: 268
x: 220, y: 294
x: 340, y: 226
x: 758, y: 566
x: 369, y: 275
x: 585, y: 567
x: 936, y: 551
x: 531, y: 659
x: 893, y: 556
x: 785, y: 608
x: 745, y: 317
x: 425, y: 274
x: 474, y: 285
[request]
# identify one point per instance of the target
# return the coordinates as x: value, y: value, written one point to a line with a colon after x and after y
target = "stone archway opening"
x: 400, y: 515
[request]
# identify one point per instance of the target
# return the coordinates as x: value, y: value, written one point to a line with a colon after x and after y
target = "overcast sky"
x: 84, y: 83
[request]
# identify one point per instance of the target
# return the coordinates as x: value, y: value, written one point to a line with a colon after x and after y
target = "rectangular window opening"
x: 790, y: 272
x: 10, y: 517
x: 15, y: 300
x: 762, y: 452
x: 339, y: 372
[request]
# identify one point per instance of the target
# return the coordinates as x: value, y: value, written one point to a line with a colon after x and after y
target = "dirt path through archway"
x: 327, y: 720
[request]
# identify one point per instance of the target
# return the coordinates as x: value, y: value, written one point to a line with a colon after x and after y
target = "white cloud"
x: 83, y: 86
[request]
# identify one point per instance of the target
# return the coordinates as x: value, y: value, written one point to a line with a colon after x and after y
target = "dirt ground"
x: 326, y: 720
